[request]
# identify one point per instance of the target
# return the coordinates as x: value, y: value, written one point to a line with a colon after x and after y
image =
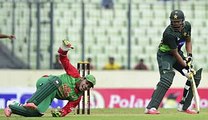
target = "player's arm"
x: 7, y: 36
x: 188, y: 38
x: 170, y: 41
x: 66, y: 109
x: 188, y: 45
x: 189, y: 49
x: 180, y: 60
x: 68, y: 67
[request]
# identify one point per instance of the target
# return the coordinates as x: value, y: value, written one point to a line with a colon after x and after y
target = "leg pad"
x: 45, y: 90
x: 20, y: 110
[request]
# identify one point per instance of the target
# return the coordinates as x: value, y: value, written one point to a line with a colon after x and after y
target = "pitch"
x: 120, y: 114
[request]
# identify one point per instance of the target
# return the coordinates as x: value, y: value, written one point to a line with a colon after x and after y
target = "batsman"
x: 170, y: 56
x: 68, y: 86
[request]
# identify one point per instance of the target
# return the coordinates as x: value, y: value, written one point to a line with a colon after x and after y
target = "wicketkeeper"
x: 170, y: 57
x: 68, y: 86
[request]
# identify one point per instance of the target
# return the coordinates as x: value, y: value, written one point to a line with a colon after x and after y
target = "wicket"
x: 84, y: 69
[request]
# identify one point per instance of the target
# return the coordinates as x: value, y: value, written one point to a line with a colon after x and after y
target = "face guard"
x: 177, y: 20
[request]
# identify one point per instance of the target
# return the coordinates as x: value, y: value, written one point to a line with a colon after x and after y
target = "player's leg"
x: 44, y: 91
x: 179, y: 68
x: 166, y: 77
x: 161, y: 89
x: 18, y: 109
x: 187, y: 91
x: 44, y: 105
x: 40, y: 82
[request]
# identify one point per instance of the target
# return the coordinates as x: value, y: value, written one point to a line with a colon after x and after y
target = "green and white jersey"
x: 67, y: 90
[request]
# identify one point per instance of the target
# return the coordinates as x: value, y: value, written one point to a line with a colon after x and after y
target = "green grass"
x: 119, y: 114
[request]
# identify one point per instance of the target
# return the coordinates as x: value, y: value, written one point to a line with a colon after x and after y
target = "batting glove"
x: 189, y: 58
x: 189, y: 73
x: 188, y: 64
x: 66, y: 45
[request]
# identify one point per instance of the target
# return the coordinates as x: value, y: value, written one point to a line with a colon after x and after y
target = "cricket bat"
x: 195, y: 94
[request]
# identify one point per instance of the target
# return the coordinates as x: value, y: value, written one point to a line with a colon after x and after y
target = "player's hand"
x: 11, y: 37
x: 66, y: 45
x: 56, y: 112
x: 189, y: 65
x: 189, y: 73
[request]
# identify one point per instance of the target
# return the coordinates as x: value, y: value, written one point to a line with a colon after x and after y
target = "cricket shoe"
x: 188, y: 111
x: 30, y: 106
x: 180, y: 107
x: 151, y: 111
x: 12, y: 102
x: 7, y: 112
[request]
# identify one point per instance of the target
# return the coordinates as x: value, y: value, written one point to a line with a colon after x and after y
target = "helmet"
x: 91, y: 79
x: 177, y: 15
x: 177, y: 20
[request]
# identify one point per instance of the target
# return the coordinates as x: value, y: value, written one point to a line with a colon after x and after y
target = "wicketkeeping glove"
x: 56, y: 112
x: 66, y: 45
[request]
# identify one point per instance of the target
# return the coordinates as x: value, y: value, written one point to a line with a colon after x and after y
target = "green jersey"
x: 173, y: 39
x: 68, y: 91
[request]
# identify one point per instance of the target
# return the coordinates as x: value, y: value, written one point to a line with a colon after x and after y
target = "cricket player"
x: 169, y: 57
x: 68, y: 86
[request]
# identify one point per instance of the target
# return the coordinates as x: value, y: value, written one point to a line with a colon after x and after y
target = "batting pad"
x: 162, y: 87
x: 45, y: 90
x: 20, y: 110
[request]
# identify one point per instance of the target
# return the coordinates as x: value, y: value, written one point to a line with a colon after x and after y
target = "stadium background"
x: 130, y: 31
